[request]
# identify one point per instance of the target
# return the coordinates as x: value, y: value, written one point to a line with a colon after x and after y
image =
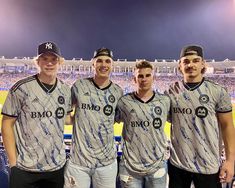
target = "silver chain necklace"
x: 48, y: 91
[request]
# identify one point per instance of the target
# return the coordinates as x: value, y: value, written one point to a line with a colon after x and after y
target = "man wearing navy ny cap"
x: 93, y: 154
x: 33, y: 124
x: 201, y: 113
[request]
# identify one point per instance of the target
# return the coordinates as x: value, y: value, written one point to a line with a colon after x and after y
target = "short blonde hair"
x: 61, y: 59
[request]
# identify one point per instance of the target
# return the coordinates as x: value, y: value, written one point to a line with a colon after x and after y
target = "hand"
x: 227, y: 171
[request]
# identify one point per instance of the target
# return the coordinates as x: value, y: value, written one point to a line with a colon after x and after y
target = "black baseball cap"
x: 191, y: 50
x: 103, y: 52
x: 48, y: 47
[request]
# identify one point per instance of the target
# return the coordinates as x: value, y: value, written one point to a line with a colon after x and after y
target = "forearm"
x: 228, y: 133
x: 69, y: 120
x: 9, y: 142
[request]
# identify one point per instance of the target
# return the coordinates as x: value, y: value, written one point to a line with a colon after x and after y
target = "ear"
x: 154, y: 76
x: 93, y: 62
x: 179, y: 67
x: 204, y: 63
x: 61, y: 60
x: 135, y: 79
x: 204, y: 66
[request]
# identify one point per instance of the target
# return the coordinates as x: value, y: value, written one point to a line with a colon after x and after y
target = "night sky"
x: 132, y: 29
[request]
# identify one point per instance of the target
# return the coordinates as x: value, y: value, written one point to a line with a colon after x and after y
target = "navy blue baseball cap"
x: 49, y: 47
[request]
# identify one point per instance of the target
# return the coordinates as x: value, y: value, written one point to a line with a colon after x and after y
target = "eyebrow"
x: 196, y: 58
x: 99, y: 59
x: 142, y: 75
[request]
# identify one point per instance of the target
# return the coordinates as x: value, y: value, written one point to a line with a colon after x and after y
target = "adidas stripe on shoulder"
x: 20, y: 82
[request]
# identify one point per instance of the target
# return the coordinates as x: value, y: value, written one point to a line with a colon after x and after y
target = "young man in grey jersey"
x: 93, y: 154
x: 201, y: 113
x: 33, y: 124
x: 144, y: 114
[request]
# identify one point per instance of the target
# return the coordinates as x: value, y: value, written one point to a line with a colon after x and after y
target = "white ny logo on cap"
x: 48, y: 45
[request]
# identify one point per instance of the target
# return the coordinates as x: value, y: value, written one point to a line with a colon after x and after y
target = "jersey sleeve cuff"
x: 8, y: 115
x: 224, y: 111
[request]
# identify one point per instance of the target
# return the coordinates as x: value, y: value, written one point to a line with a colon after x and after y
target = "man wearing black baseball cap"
x: 191, y: 50
x: 103, y: 52
x: 93, y: 155
x: 200, y: 111
x: 33, y: 124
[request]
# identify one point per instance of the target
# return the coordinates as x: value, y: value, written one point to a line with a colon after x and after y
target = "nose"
x: 50, y: 63
x: 103, y: 63
x: 190, y: 64
x: 144, y: 79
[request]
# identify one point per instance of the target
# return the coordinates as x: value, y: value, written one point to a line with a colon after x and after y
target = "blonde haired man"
x: 33, y: 124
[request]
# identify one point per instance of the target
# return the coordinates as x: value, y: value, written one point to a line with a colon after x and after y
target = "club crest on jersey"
x: 111, y: 99
x: 108, y: 110
x: 61, y: 100
x: 157, y: 123
x: 158, y: 110
x: 204, y: 99
x: 59, y: 113
x: 201, y: 112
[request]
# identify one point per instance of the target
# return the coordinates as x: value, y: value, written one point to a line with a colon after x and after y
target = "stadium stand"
x: 166, y: 72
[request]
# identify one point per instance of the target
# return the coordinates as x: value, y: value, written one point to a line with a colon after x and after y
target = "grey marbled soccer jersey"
x: 144, y: 140
x: 195, y: 131
x: 93, y: 137
x: 39, y: 127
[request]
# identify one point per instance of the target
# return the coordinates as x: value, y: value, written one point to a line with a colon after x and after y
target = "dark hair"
x: 143, y: 64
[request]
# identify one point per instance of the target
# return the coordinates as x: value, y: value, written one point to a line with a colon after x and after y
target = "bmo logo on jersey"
x: 90, y: 107
x: 108, y: 109
x: 178, y: 110
x: 157, y: 123
x: 44, y: 114
x: 140, y: 123
x: 200, y: 111
x: 59, y: 113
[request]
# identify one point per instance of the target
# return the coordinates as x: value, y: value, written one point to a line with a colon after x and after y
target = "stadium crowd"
x: 124, y: 80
